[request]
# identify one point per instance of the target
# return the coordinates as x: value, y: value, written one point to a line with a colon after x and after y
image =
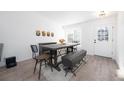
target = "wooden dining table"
x: 53, y: 52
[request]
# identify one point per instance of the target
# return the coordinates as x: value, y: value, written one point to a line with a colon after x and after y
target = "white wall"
x: 17, y: 32
x: 120, y: 41
x: 60, y: 34
x: 87, y: 32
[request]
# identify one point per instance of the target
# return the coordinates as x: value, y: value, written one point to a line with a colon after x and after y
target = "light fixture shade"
x: 102, y: 13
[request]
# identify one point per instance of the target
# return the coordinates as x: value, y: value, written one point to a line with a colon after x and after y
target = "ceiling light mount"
x: 102, y: 13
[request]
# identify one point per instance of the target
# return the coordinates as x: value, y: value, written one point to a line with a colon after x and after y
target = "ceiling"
x: 69, y: 17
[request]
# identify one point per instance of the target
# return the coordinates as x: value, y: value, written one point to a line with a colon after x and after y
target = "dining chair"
x: 43, y: 57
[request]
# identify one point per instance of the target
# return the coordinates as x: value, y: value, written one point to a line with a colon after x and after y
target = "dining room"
x: 58, y: 46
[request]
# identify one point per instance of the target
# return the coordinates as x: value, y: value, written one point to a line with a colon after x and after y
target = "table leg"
x: 51, y: 57
x: 67, y: 50
x: 54, y: 56
x: 72, y: 48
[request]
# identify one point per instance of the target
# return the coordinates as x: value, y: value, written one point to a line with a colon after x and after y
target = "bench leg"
x: 67, y: 70
x: 84, y: 60
x: 73, y: 72
x: 66, y: 73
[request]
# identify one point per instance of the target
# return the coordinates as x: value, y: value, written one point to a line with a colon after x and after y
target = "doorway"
x: 103, y: 41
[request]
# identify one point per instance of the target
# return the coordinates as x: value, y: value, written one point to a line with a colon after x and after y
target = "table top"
x: 59, y: 46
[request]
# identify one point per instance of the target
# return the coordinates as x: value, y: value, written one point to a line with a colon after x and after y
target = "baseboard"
x: 3, y: 64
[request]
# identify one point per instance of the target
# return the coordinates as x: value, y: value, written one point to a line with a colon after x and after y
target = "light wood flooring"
x: 96, y: 69
x: 22, y: 72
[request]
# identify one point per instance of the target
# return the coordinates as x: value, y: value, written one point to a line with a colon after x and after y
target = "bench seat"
x: 73, y: 59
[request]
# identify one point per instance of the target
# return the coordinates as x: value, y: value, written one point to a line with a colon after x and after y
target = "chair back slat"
x: 34, y: 48
x: 34, y: 51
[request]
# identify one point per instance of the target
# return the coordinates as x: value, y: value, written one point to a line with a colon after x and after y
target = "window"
x: 76, y: 36
x: 103, y: 34
x: 70, y: 37
x: 73, y: 37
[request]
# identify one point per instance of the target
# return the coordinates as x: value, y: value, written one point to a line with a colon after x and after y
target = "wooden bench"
x: 73, y: 60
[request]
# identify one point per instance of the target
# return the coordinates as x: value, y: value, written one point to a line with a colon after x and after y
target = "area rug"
x: 57, y: 75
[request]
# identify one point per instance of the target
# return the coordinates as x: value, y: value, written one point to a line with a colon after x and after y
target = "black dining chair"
x: 43, y: 57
